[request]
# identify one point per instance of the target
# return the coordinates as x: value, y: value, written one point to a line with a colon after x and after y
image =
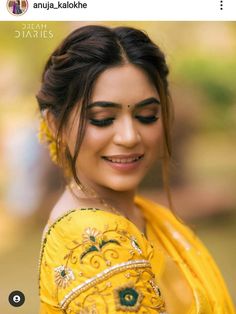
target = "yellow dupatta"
x: 192, y: 259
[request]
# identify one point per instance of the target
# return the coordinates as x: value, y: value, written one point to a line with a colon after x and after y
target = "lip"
x: 124, y: 162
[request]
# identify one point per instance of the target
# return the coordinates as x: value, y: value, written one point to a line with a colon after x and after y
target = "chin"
x: 123, y: 186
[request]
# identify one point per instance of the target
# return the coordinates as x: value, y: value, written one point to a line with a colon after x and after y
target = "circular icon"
x: 17, y: 7
x: 16, y: 298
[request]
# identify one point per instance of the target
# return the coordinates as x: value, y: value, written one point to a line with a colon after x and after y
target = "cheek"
x: 154, y: 143
x: 154, y: 137
x: 95, y: 140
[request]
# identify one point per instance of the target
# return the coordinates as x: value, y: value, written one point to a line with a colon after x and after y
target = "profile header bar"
x: 117, y: 10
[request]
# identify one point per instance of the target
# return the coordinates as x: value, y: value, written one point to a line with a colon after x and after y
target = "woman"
x: 107, y: 116
x: 16, y: 7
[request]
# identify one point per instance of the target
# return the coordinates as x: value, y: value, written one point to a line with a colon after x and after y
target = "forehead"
x: 125, y: 84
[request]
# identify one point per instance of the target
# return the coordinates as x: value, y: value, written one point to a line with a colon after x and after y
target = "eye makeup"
x: 101, y: 122
x: 103, y: 113
x: 101, y: 117
x: 147, y: 119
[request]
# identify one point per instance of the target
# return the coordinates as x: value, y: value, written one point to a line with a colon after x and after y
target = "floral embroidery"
x: 101, y: 277
x: 63, y: 276
x: 128, y: 298
x: 135, y: 245
x: 95, y: 240
x: 121, y: 261
x: 91, y: 235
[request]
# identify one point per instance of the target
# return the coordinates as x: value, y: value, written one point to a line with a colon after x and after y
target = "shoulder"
x: 65, y: 203
x: 87, y: 226
x: 88, y: 244
x: 68, y: 202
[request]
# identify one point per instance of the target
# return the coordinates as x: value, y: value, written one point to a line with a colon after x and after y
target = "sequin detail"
x: 135, y: 245
x: 155, y: 287
x: 63, y: 276
x: 107, y: 273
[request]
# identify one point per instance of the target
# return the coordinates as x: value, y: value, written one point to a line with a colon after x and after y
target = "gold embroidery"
x: 155, y: 287
x: 135, y: 296
x: 63, y: 276
x: 107, y: 273
x: 96, y: 244
x: 91, y: 236
x: 99, y: 250
x: 135, y: 245
x: 85, y: 310
x: 128, y: 298
x: 90, y: 302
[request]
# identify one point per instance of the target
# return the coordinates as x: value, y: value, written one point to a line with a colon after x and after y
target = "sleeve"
x: 92, y: 262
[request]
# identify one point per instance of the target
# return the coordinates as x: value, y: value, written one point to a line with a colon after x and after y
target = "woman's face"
x: 123, y: 136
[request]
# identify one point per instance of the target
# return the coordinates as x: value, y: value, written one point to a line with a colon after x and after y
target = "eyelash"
x: 102, y: 123
x: 147, y: 120
x: 109, y: 121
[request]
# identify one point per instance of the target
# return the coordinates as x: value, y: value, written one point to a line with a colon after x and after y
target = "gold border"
x: 105, y: 274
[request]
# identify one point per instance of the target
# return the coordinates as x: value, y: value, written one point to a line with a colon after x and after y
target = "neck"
x: 121, y: 201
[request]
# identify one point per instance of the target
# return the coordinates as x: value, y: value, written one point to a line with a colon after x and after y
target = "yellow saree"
x: 93, y: 261
x: 194, y: 264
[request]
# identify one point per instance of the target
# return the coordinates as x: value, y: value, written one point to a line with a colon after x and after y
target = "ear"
x: 51, y: 122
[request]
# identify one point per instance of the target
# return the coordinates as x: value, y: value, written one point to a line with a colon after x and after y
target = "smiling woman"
x: 107, y: 115
x: 123, y: 133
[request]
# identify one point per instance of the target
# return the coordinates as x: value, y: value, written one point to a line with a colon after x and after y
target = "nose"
x: 126, y: 133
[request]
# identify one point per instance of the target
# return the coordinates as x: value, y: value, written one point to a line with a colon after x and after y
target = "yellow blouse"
x: 93, y: 261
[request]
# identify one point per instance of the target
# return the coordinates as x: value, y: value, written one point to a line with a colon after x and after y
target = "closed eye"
x: 102, y: 122
x: 146, y: 119
x: 109, y: 121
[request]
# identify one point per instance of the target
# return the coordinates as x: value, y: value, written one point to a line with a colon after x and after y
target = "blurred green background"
x: 201, y: 57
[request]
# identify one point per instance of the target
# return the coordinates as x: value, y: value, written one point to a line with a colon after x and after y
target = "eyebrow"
x: 109, y: 104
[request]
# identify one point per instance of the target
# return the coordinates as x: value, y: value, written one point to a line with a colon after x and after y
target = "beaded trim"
x: 105, y: 274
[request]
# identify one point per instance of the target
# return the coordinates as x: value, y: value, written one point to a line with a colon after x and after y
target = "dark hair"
x: 73, y: 68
